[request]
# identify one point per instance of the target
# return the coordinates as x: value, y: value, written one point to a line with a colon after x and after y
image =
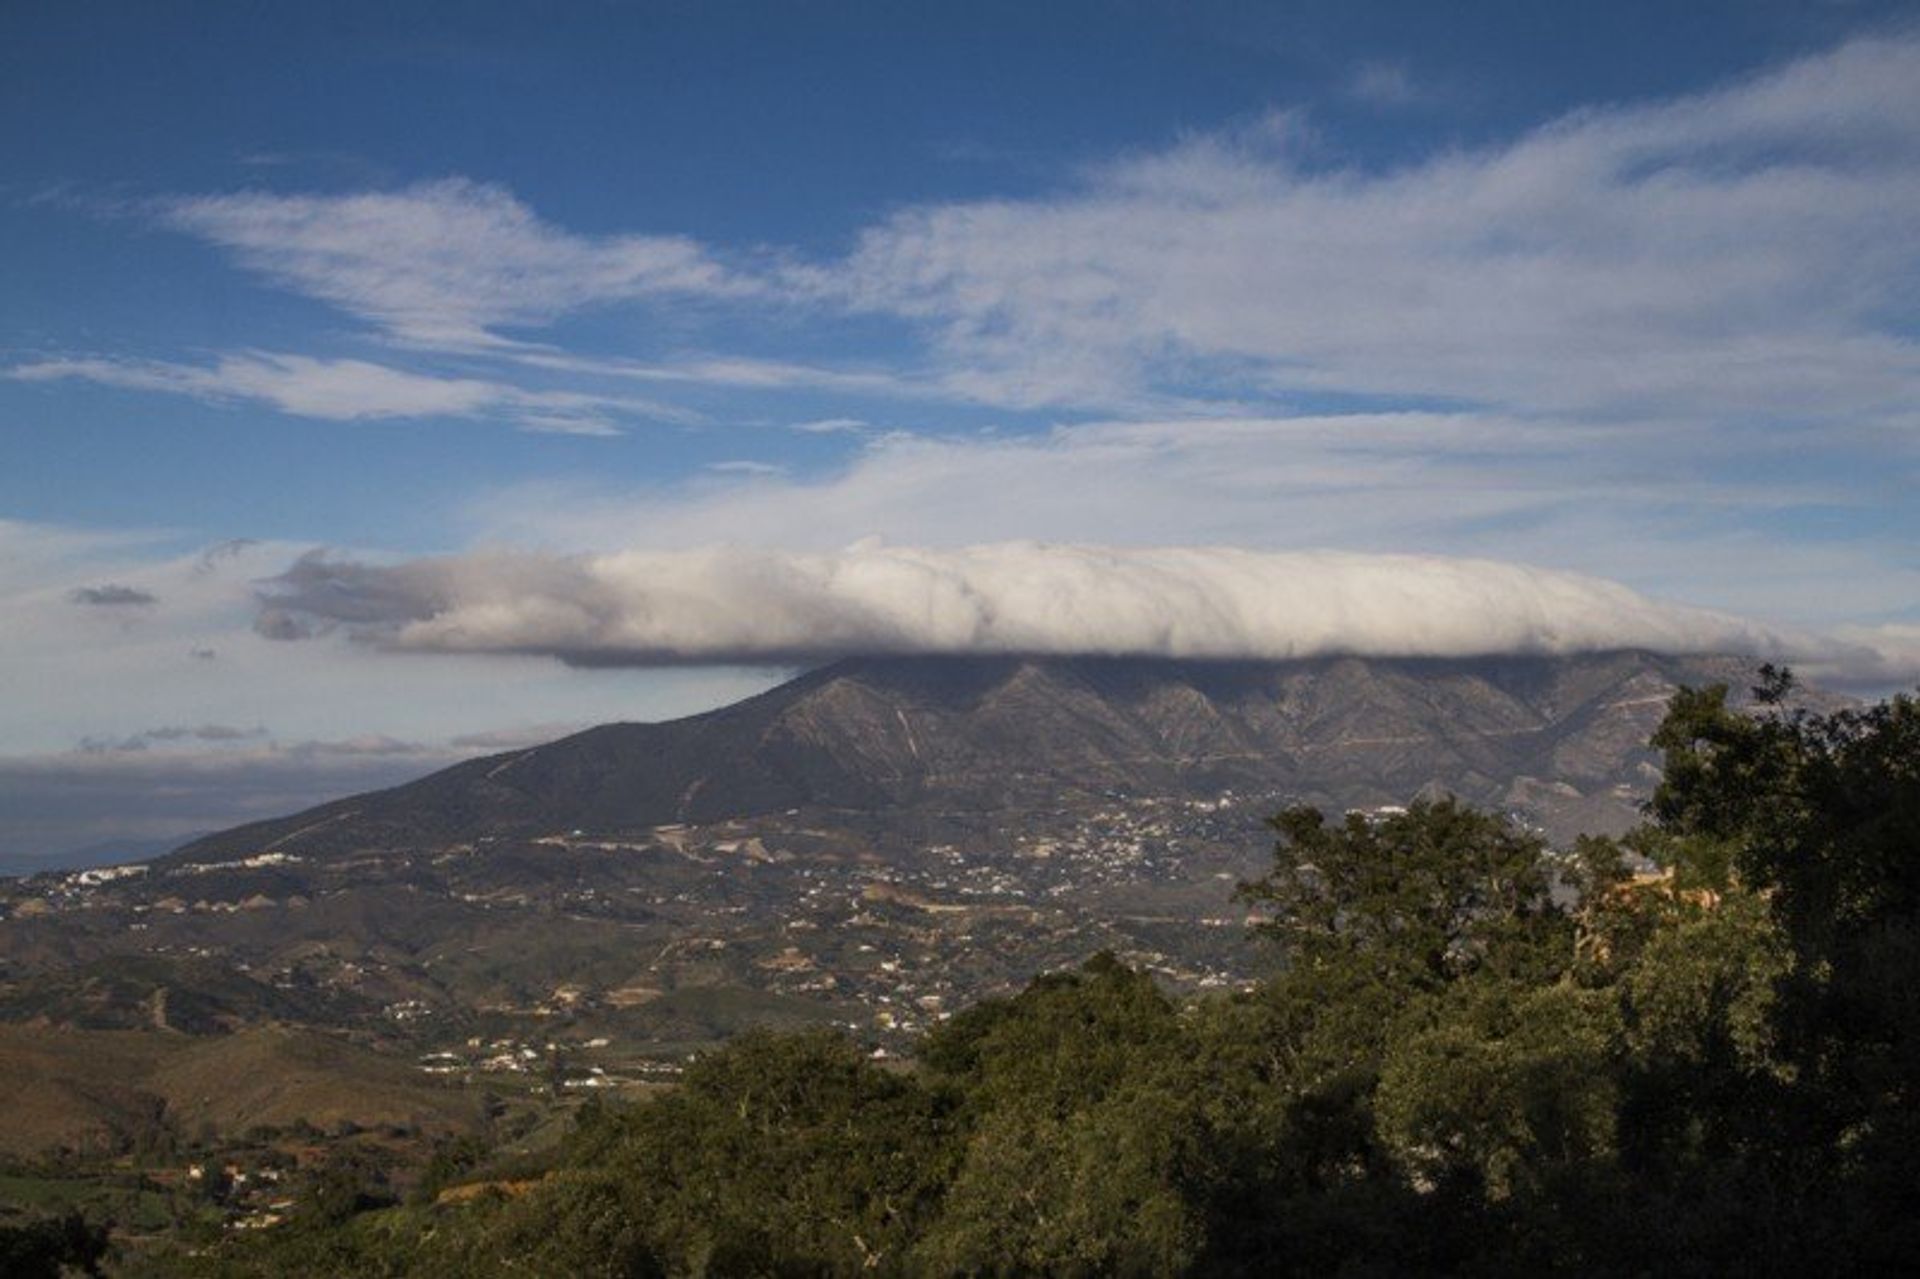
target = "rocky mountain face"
x: 1559, y: 741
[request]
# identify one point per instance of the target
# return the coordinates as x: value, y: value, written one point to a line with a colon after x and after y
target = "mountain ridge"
x: 871, y: 734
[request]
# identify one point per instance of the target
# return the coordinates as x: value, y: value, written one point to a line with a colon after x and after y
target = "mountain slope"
x: 1548, y: 736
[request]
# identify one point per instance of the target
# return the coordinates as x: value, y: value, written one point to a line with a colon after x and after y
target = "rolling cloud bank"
x: 729, y: 605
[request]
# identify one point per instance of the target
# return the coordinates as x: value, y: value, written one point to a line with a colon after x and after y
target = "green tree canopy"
x: 1434, y: 891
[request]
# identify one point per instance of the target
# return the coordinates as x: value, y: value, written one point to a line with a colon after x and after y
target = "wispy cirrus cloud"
x: 1743, y: 252
x: 745, y: 466
x: 1739, y: 254
x: 444, y: 264
x: 832, y: 426
x: 353, y: 390
x: 746, y: 373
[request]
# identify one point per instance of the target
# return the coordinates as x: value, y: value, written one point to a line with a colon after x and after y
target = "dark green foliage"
x: 350, y: 1182
x: 1712, y: 1070
x: 1065, y: 1042
x: 453, y: 1157
x: 1090, y: 1148
x: 794, y: 1148
x: 52, y: 1247
x: 1821, y: 815
x: 1432, y: 892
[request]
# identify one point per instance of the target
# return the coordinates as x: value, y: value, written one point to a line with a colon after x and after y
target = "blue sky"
x: 513, y: 312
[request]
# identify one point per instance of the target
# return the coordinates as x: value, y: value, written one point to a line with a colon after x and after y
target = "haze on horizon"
x: 377, y: 391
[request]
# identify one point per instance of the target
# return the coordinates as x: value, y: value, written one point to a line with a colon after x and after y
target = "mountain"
x: 1560, y: 741
x: 871, y: 845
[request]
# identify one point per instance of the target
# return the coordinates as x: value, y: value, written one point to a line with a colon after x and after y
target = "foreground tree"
x: 1089, y: 1152
x: 1422, y: 896
x: 1820, y: 816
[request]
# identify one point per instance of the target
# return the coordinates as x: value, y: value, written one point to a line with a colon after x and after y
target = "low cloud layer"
x: 749, y: 606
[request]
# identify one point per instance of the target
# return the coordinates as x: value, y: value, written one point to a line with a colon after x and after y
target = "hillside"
x: 93, y: 1090
x: 1561, y: 740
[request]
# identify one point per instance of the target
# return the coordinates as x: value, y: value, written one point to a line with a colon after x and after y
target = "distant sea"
x: 111, y: 853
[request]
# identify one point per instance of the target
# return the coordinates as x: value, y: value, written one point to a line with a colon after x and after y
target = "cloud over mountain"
x: 730, y: 605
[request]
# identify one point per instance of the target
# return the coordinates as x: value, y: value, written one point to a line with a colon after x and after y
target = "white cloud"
x: 1259, y: 481
x: 448, y: 263
x: 737, y: 372
x: 832, y: 426
x: 1739, y: 253
x: 115, y: 728
x: 1698, y: 522
x: 1734, y: 256
x: 348, y: 390
x: 730, y: 605
x: 75, y: 674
